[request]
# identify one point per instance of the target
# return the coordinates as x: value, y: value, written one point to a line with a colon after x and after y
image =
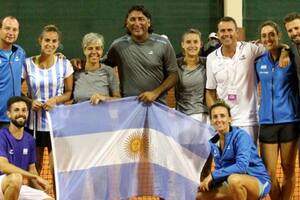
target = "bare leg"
x: 51, y: 165
x: 11, y: 186
x: 288, y: 153
x: 243, y: 187
x: 269, y: 154
x: 220, y: 193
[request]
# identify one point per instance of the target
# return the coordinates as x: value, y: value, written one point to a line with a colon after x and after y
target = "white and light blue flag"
x: 125, y: 148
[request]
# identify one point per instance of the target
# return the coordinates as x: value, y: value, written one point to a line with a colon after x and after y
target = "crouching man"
x: 18, y: 157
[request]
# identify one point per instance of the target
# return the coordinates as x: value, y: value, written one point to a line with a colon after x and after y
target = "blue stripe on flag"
x: 107, y: 181
x: 119, y: 182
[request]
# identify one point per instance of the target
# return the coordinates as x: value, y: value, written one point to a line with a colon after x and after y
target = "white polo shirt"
x: 236, y: 76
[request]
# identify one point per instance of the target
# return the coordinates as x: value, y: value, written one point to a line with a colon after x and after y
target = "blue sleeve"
x: 217, y: 160
x: 32, y: 158
x: 242, y: 147
x: 3, y: 145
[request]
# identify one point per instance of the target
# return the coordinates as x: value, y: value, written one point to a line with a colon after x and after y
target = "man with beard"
x: 18, y: 157
x: 292, y: 26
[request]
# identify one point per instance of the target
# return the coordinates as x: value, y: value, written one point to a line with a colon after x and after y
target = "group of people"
x: 147, y: 68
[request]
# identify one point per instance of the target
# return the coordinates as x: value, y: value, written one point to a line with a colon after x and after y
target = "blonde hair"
x: 92, y: 37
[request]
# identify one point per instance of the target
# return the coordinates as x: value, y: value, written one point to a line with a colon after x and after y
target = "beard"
x: 18, y: 123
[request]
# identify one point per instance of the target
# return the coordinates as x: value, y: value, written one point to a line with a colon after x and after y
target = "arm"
x: 211, y: 82
x: 68, y: 82
x: 77, y: 64
x: 210, y: 97
x: 170, y: 66
x: 204, y: 185
x: 38, y: 182
x: 96, y: 98
x: 150, y: 96
x: 242, y: 148
x: 113, y: 88
x: 35, y: 104
x: 284, y: 58
x: 8, y: 168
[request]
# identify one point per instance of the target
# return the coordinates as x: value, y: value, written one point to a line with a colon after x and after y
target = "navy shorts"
x: 278, y: 133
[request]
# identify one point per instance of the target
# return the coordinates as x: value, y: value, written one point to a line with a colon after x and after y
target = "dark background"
x: 170, y: 17
x: 76, y: 18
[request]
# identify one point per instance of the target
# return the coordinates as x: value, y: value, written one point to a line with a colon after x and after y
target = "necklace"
x: 45, y: 64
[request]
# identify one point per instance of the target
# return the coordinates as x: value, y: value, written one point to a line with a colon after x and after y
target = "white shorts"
x: 27, y: 193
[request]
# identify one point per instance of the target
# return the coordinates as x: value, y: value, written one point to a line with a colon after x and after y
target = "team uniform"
x: 234, y: 80
x: 190, y: 88
x: 20, y: 153
x: 10, y: 77
x: 239, y: 156
x: 42, y: 85
x: 101, y: 81
x: 279, y: 112
x: 142, y: 66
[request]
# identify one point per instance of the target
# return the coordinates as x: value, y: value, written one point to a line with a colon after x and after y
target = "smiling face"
x: 191, y: 44
x: 220, y: 119
x: 293, y: 30
x: 138, y: 25
x: 49, y: 42
x: 93, y: 52
x: 227, y: 33
x: 9, y: 31
x: 269, y: 37
x: 18, y: 114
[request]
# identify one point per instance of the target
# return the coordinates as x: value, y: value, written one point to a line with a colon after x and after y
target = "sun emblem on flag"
x: 137, y: 146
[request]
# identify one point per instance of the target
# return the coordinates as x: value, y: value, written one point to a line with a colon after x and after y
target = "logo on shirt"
x: 25, y: 151
x: 11, y: 151
x: 150, y: 52
x: 215, y: 153
x: 17, y: 59
x: 263, y: 67
x: 0, y: 61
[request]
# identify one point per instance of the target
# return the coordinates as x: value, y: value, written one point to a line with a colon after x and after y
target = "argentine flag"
x: 126, y: 148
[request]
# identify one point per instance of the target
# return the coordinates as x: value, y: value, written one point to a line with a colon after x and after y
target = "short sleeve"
x: 211, y: 82
x: 24, y: 68
x: 3, y: 145
x: 113, y: 81
x: 170, y: 62
x: 32, y: 158
x: 69, y: 69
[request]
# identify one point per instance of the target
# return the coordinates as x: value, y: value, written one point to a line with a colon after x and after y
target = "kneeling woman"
x: 239, y: 172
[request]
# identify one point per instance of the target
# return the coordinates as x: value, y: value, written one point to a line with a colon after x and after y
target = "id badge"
x: 232, y: 95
